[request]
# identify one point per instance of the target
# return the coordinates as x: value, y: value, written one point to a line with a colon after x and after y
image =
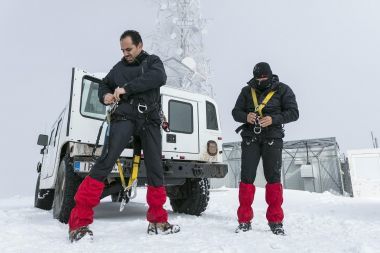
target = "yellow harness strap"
x: 134, y: 174
x: 120, y: 168
x: 259, y: 107
x: 135, y: 170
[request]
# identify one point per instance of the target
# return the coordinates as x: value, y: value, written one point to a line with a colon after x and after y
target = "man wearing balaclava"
x: 263, y: 106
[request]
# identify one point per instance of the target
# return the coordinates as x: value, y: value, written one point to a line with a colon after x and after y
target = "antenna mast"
x: 178, y: 39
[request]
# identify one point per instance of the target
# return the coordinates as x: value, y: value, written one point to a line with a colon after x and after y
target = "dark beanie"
x: 261, y: 70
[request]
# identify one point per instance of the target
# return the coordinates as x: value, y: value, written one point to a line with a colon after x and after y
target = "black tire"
x: 43, y: 199
x: 66, y: 185
x: 190, y: 198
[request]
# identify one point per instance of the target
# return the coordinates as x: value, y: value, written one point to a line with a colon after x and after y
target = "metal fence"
x: 231, y: 156
x: 312, y: 165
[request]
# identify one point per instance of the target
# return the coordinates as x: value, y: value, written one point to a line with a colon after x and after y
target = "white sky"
x: 326, y: 50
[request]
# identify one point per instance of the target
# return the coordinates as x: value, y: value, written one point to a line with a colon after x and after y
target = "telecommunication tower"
x: 178, y: 40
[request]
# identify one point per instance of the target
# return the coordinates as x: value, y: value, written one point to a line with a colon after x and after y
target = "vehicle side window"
x: 180, y: 117
x: 51, y: 136
x: 90, y: 105
x: 56, y: 131
x: 211, y: 118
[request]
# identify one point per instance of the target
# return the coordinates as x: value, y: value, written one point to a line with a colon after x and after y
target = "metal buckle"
x: 139, y: 106
x: 257, y: 127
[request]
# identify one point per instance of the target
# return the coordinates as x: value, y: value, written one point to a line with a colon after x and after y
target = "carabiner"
x: 131, y: 192
x: 113, y: 107
x: 257, y: 127
x: 139, y: 106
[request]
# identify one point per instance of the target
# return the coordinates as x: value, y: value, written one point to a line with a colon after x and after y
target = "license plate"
x: 85, y: 167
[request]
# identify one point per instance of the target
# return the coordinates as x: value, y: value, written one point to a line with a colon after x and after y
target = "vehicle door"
x: 183, y: 120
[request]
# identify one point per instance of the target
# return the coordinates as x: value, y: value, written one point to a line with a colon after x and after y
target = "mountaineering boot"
x: 156, y: 214
x: 277, y: 228
x: 163, y: 228
x: 79, y: 233
x: 243, y: 227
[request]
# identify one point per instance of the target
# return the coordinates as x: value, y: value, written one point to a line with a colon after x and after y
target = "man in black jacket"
x: 134, y: 83
x: 263, y: 106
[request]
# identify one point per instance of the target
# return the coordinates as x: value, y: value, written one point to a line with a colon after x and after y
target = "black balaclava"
x: 261, y: 70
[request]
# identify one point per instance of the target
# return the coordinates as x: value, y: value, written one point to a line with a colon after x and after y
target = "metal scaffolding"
x: 313, y: 165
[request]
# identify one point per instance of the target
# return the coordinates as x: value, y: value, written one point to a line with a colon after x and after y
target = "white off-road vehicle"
x: 191, y: 151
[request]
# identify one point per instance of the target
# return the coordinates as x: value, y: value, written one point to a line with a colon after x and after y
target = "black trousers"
x: 119, y: 137
x: 270, y: 150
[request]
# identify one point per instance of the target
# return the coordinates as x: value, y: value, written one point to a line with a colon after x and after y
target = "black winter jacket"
x: 141, y: 79
x: 282, y: 107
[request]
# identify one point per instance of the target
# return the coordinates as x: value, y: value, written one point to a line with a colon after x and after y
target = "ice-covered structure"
x: 178, y: 40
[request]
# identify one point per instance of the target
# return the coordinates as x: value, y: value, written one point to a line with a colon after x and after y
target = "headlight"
x: 212, y: 148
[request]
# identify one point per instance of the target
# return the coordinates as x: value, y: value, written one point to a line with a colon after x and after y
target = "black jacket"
x: 141, y: 79
x: 282, y: 107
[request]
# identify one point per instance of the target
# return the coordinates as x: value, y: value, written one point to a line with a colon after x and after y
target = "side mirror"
x: 43, y: 140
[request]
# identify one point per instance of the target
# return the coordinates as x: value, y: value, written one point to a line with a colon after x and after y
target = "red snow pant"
x: 156, y: 197
x: 88, y: 197
x: 273, y: 197
x: 246, y: 195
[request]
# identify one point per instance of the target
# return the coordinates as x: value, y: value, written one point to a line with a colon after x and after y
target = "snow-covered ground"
x: 313, y: 222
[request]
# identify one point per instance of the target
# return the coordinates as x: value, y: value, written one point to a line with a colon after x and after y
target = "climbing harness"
x: 259, y: 108
x: 130, y: 190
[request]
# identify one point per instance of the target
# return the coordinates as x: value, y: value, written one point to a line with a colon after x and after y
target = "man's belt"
x: 142, y: 108
x: 237, y: 130
x: 118, y: 117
